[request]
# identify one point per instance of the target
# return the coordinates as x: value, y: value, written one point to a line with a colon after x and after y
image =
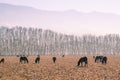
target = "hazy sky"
x: 106, y: 6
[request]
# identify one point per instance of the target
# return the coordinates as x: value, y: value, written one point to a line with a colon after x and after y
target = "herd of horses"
x: 83, y: 61
x: 102, y: 59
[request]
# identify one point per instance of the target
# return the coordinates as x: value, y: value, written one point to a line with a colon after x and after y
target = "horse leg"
x: 38, y: 61
x: 105, y: 62
x: 86, y: 64
x: 3, y: 61
x: 78, y: 63
x: 20, y: 61
x: 27, y: 60
x: 81, y: 64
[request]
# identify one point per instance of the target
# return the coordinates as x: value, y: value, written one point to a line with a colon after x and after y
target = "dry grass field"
x: 64, y: 69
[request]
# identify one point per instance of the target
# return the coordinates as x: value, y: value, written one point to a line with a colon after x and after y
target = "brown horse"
x: 37, y: 60
x: 2, y: 60
x: 54, y: 59
x: 23, y: 59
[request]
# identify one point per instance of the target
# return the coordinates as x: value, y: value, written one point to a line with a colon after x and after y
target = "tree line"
x: 33, y: 41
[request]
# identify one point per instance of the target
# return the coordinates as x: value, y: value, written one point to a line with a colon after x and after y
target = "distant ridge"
x: 70, y: 21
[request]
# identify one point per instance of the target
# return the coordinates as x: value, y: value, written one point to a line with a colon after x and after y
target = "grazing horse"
x: 54, y: 59
x: 81, y: 60
x: 104, y: 60
x: 98, y: 58
x: 2, y: 60
x: 63, y: 55
x: 23, y: 59
x: 37, y: 60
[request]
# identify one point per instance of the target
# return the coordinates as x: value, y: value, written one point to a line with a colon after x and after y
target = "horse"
x: 81, y: 60
x: 54, y: 59
x: 63, y: 55
x: 37, y: 60
x: 23, y: 59
x: 98, y: 59
x: 2, y: 60
x: 104, y: 60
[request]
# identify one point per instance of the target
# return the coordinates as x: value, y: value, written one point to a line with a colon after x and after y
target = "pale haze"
x: 87, y: 8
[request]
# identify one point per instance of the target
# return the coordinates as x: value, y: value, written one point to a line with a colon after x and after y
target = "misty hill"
x: 70, y: 21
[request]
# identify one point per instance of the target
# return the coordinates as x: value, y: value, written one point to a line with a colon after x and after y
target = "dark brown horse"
x: 54, y: 59
x: 83, y: 60
x: 23, y: 59
x: 2, y: 60
x: 37, y: 60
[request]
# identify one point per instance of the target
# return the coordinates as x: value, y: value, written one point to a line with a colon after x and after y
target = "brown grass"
x: 64, y: 69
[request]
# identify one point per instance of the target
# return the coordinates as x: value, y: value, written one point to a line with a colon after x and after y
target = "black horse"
x: 98, y: 59
x: 2, y: 60
x: 104, y: 60
x: 23, y: 59
x: 37, y: 60
x: 81, y: 60
x: 54, y: 59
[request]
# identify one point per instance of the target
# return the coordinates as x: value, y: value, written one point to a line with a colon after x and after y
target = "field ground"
x: 64, y: 69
